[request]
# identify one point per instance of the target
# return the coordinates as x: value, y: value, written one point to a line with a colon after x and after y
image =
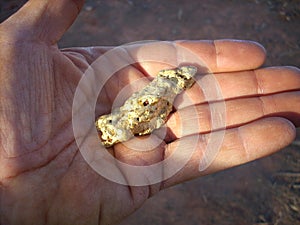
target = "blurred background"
x: 263, y: 192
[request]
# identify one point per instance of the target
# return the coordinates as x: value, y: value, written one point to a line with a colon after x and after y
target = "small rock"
x: 88, y: 8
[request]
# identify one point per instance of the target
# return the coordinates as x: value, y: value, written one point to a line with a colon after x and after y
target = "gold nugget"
x: 147, y: 109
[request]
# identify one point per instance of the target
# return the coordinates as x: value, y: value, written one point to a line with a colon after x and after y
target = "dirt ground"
x: 263, y: 192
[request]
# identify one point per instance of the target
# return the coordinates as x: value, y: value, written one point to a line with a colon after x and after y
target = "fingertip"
x: 293, y: 69
x: 61, y: 15
x: 44, y: 21
x: 257, y: 45
x: 288, y: 130
x: 231, y: 54
x: 260, y: 51
x: 274, y: 134
x: 285, y: 127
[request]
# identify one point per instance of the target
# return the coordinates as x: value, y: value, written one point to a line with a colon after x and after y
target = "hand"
x: 44, y: 178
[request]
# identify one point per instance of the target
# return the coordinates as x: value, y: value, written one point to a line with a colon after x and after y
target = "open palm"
x: 44, y: 179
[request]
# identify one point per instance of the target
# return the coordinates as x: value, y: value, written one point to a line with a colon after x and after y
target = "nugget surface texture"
x: 145, y: 110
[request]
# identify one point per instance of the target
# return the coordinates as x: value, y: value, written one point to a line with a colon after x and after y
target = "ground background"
x: 263, y: 192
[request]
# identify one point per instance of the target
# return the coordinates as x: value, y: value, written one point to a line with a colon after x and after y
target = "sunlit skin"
x: 44, y: 178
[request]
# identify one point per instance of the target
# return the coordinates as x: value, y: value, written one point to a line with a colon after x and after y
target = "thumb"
x: 43, y: 20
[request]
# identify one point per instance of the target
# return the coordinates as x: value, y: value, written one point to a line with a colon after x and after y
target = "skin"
x: 44, y: 178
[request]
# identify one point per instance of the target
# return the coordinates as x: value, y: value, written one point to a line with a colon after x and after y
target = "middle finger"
x: 240, y: 84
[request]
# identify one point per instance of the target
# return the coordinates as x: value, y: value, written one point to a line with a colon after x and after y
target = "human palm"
x: 43, y: 176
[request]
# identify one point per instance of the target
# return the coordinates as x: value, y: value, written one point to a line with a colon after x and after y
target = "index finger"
x: 216, y: 55
x: 227, y: 55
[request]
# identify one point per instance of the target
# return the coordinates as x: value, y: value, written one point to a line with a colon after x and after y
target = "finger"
x: 217, y: 56
x: 227, y: 55
x: 240, y: 145
x: 240, y: 84
x: 236, y: 112
x: 45, y: 20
